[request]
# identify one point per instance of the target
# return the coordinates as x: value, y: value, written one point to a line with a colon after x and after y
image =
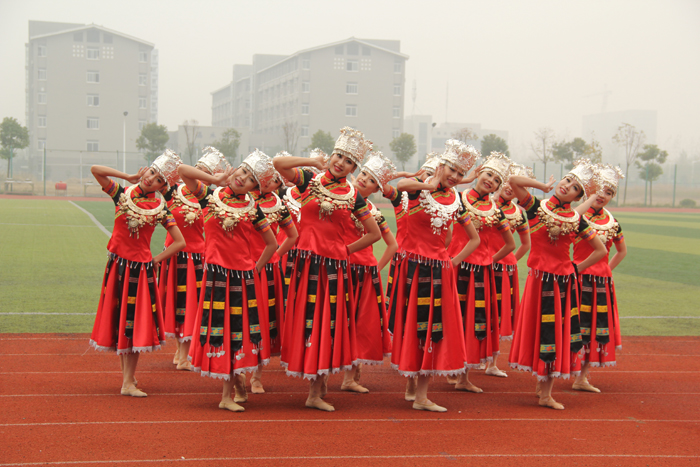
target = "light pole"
x: 124, y: 144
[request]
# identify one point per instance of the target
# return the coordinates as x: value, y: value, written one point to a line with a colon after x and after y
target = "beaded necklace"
x: 556, y: 224
x: 191, y: 210
x: 329, y: 201
x: 229, y: 216
x: 137, y: 217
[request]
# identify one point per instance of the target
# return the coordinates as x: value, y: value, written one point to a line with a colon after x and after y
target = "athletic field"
x: 53, y: 257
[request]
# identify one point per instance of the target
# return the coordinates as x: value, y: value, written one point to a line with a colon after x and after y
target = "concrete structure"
x: 604, y: 126
x: 284, y: 100
x: 80, y: 80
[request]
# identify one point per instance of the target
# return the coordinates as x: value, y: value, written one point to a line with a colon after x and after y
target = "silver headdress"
x: 352, y: 143
x: 260, y: 164
x: 317, y: 153
x: 607, y: 176
x: 498, y: 163
x: 459, y: 155
x: 432, y: 160
x: 380, y: 167
x: 518, y: 170
x: 584, y: 173
x: 212, y: 161
x: 166, y: 165
x: 278, y: 175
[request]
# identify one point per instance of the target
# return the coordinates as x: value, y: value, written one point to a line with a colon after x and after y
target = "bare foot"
x: 228, y: 404
x: 133, y: 391
x: 428, y: 406
x: 353, y: 386
x: 469, y: 387
x: 320, y: 404
x: 551, y: 403
x: 495, y: 371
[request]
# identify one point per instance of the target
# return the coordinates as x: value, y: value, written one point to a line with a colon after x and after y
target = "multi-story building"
x: 88, y: 89
x: 284, y: 99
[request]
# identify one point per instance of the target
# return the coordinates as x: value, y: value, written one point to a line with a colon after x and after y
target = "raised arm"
x: 520, y: 185
x: 102, y: 174
x: 286, y: 165
x: 191, y: 175
x: 583, y: 208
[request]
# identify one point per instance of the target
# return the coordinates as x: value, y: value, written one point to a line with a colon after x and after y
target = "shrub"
x: 687, y: 203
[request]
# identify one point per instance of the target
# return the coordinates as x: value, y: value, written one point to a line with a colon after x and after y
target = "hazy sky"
x: 511, y: 65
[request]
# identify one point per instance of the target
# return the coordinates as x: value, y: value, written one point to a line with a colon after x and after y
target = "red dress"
x: 600, y: 323
x: 506, y: 270
x: 290, y: 196
x: 180, y: 278
x: 399, y: 201
x: 476, y: 286
x: 129, y: 315
x: 233, y: 336
x: 547, y: 335
x: 271, y: 301
x: 428, y: 337
x: 318, y: 331
x: 369, y: 307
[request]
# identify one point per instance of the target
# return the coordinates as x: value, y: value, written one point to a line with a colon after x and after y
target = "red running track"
x: 61, y: 406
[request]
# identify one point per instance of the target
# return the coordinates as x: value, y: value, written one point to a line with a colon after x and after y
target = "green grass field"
x: 52, y: 257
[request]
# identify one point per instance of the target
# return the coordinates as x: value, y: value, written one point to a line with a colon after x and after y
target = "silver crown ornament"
x: 459, y: 156
x: 260, y: 164
x: 352, y: 143
x: 583, y: 172
x: 212, y: 161
x: 432, y: 160
x: 498, y: 163
x: 380, y: 167
x: 166, y: 165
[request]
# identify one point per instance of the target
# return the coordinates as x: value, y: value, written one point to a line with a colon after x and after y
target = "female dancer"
x: 271, y: 277
x: 130, y: 316
x: 233, y: 336
x: 317, y: 338
x: 369, y: 307
x: 475, y: 281
x: 180, y: 278
x: 600, y: 323
x: 427, y: 325
x: 505, y: 271
x: 547, y: 333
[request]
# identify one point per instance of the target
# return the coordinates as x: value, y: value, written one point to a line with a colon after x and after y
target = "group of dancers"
x: 275, y: 257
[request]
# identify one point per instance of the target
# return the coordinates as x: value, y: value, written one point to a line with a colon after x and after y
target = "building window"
x: 143, y: 80
x: 93, y: 53
x: 93, y: 35
x: 93, y: 146
x: 93, y: 123
x: 141, y: 125
x: 42, y: 74
x: 41, y: 98
x: 353, y: 48
x: 339, y: 49
x: 395, y: 133
x: 305, y: 86
x: 397, y: 89
x: 107, y: 38
x: 143, y: 57
x: 304, y: 130
x: 305, y: 109
x: 366, y: 51
x: 41, y: 121
x: 93, y: 76
x: 41, y: 143
x: 93, y: 100
x: 351, y: 110
x: 142, y: 102
x: 352, y: 65
x: 397, y: 66
x: 351, y: 88
x: 41, y: 51
x: 306, y: 64
x: 78, y: 36
x: 396, y: 112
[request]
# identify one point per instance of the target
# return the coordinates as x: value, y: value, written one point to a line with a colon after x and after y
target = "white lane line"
x: 610, y: 372
x: 343, y: 393
x: 106, y: 354
x: 659, y: 317
x: 46, y: 314
x: 48, y: 225
x: 92, y: 218
x: 441, y: 455
x: 352, y: 420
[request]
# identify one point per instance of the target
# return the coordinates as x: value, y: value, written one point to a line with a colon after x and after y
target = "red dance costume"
x: 290, y: 196
x: 130, y: 315
x: 271, y: 301
x: 369, y: 307
x: 233, y: 334
x: 547, y: 334
x: 180, y: 278
x: 476, y: 286
x: 506, y: 270
x: 600, y: 323
x: 319, y: 332
x: 428, y: 337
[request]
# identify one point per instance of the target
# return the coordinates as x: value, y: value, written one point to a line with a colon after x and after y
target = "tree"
x: 191, y: 134
x: 465, y: 134
x: 290, y: 131
x: 228, y: 144
x: 322, y: 140
x: 403, y: 147
x: 566, y: 152
x: 493, y: 143
x: 12, y: 136
x: 631, y: 140
x: 593, y: 151
x: 153, y: 139
x: 543, y: 147
x: 651, y: 169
